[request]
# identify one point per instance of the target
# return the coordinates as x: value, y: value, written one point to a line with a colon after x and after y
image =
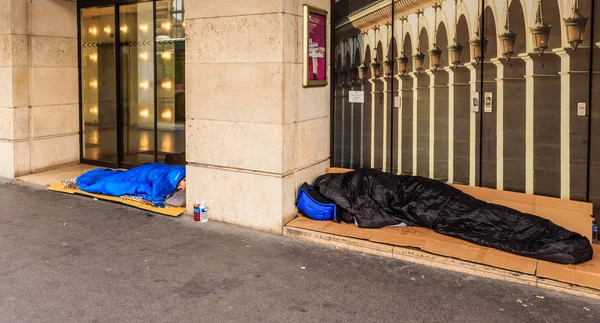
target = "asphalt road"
x: 73, y: 259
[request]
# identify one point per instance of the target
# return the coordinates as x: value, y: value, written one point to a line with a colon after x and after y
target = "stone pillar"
x: 459, y: 103
x: 376, y: 119
x: 14, y: 81
x: 488, y: 133
x: 405, y: 125
x: 365, y: 119
x: 421, y: 113
x: 510, y: 126
x: 355, y: 132
x: 575, y: 87
x: 542, y: 124
x: 474, y: 80
x: 253, y: 133
x: 346, y: 130
x: 438, y: 125
x: 338, y: 121
x: 39, y: 116
x: 385, y: 129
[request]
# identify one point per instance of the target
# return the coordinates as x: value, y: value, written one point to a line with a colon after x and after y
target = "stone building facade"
x: 421, y: 122
x: 252, y: 132
x: 123, y: 82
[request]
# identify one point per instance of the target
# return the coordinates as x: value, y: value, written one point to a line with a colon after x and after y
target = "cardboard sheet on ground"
x: 586, y: 274
x: 170, y: 211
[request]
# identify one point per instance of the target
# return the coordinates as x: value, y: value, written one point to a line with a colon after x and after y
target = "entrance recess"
x: 132, y: 80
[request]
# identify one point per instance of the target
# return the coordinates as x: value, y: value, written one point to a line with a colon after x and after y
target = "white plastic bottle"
x: 203, y: 212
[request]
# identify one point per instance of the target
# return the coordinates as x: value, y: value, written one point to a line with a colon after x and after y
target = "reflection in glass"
x: 137, y: 76
x: 98, y: 95
x: 148, y: 122
x: 170, y: 69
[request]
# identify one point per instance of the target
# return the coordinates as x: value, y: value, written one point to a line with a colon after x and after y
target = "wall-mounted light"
x: 165, y: 25
x: 94, y: 110
x: 435, y: 56
x: 144, y: 56
x: 144, y: 113
x: 107, y: 29
x: 144, y: 84
x: 123, y: 28
x: 418, y: 58
x: 455, y: 50
x: 144, y: 27
x: 436, y: 53
x: 362, y: 72
x: 402, y: 64
x: 507, y: 38
x: 478, y: 44
x: 166, y: 55
x: 375, y: 68
x: 478, y: 47
x: 93, y: 30
x: 387, y: 67
x: 540, y: 32
x: 454, y: 53
x: 166, y: 85
x: 94, y: 57
x: 94, y: 83
x: 575, y: 24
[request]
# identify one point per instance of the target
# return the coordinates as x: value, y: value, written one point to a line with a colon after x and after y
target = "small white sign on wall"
x: 474, y: 101
x: 488, y: 102
x: 356, y: 96
x: 397, y: 102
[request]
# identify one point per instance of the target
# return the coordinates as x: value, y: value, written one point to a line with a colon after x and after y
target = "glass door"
x: 137, y: 84
x: 132, y: 82
x: 98, y: 85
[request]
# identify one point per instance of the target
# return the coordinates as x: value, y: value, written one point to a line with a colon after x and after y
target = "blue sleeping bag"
x: 152, y: 182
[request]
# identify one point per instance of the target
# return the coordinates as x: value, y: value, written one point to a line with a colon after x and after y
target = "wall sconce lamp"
x: 575, y: 24
x: 402, y: 64
x: 540, y: 32
x: 375, y: 68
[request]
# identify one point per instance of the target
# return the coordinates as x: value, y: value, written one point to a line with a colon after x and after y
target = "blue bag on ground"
x: 314, y: 205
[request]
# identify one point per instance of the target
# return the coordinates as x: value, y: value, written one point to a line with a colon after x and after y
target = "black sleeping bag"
x: 374, y: 199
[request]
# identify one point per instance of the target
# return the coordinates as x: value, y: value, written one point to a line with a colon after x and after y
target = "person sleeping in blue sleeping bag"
x: 154, y: 183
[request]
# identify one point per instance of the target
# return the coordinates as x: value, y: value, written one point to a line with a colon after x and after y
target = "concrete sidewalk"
x: 73, y: 259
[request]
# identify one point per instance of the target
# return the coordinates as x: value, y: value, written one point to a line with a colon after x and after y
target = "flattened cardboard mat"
x: 586, y: 274
x: 170, y: 211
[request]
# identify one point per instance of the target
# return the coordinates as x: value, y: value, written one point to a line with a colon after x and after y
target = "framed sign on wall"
x: 314, y: 47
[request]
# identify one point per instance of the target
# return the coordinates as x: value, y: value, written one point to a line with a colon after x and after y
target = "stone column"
x: 39, y: 112
x: 542, y: 124
x: 355, y: 133
x: 474, y: 80
x: 510, y: 126
x: 346, y: 126
x: 575, y: 87
x: 338, y: 122
x: 253, y: 133
x: 438, y: 125
x: 385, y: 130
x: 405, y: 125
x: 376, y: 119
x: 459, y: 103
x: 421, y: 113
x: 14, y: 81
x: 365, y: 119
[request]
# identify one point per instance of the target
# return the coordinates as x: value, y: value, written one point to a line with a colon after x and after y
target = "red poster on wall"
x: 315, y: 47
